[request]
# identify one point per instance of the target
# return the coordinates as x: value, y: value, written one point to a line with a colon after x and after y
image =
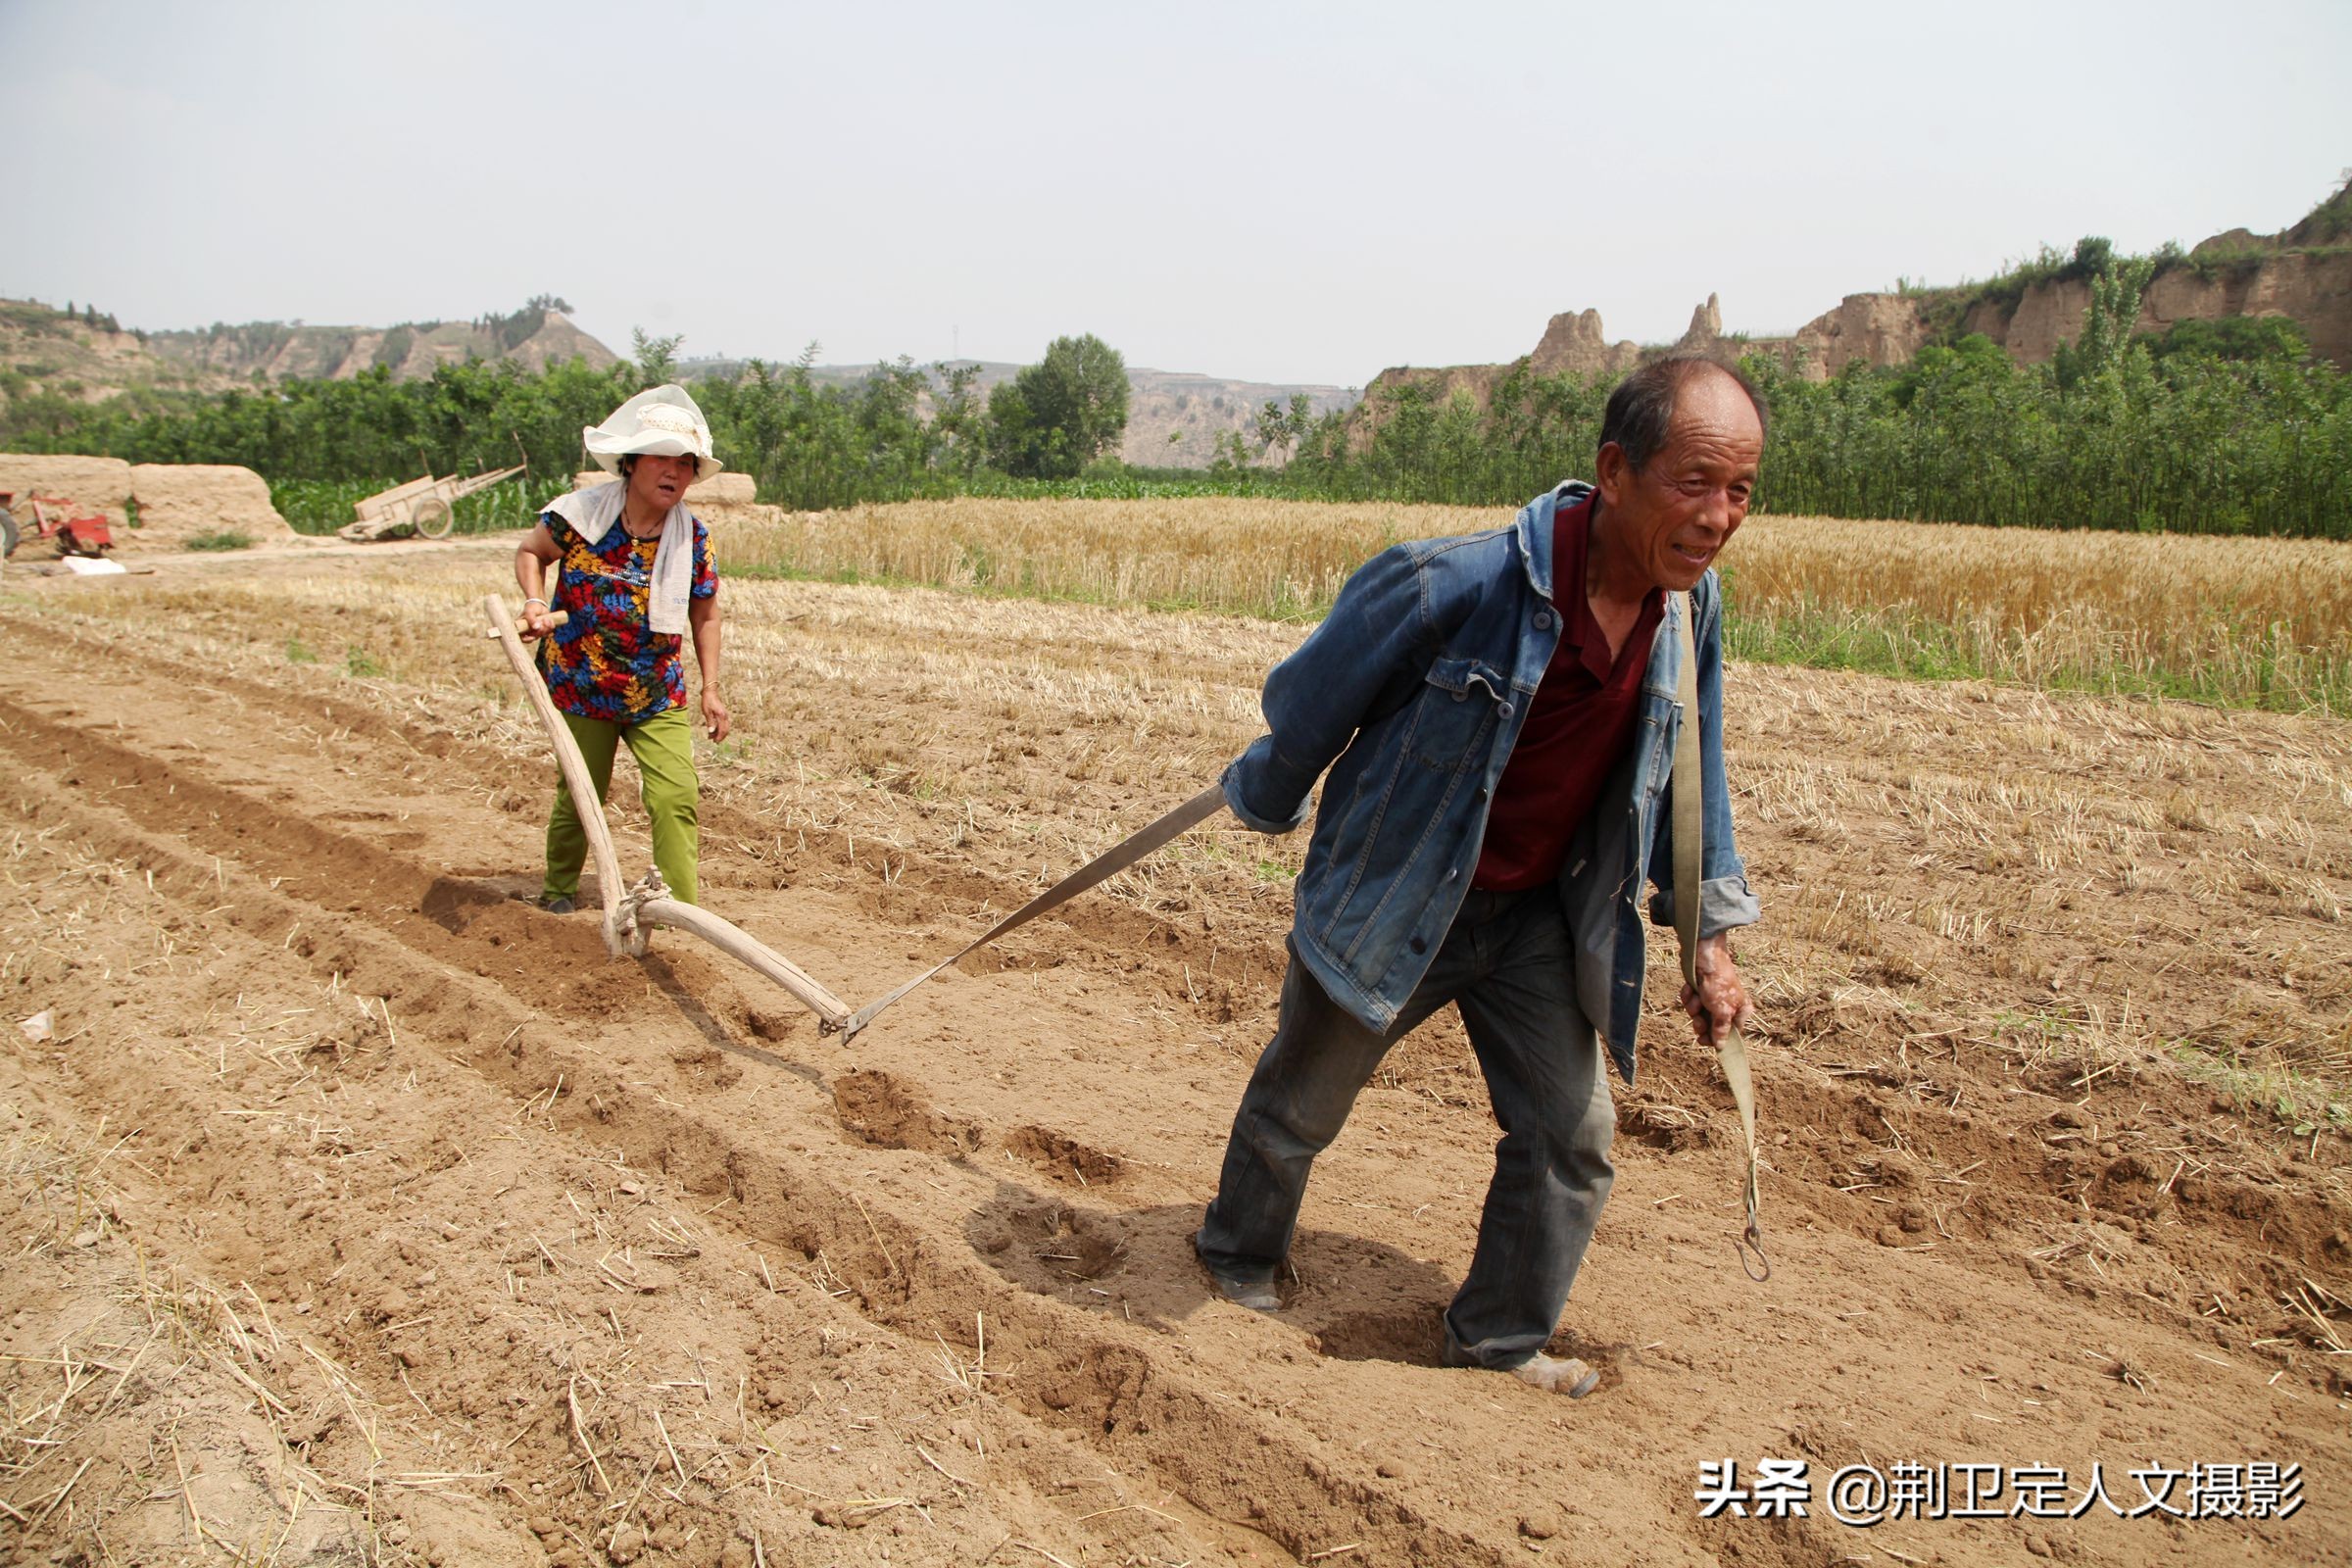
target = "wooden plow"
x: 631, y: 915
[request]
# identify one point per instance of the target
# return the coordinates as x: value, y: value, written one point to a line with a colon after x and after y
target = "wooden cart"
x: 425, y: 507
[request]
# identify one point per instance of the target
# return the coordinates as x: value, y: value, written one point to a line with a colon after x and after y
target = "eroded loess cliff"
x: 2302, y: 274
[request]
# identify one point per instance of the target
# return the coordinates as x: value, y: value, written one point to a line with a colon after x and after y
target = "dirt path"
x: 364, y: 1213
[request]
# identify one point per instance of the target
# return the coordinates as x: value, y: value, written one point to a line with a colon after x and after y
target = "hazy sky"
x: 1286, y: 192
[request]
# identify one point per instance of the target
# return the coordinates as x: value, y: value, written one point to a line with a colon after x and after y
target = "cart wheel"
x: 8, y: 532
x: 432, y: 517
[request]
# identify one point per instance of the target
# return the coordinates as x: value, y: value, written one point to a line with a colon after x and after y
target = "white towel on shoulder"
x: 593, y: 511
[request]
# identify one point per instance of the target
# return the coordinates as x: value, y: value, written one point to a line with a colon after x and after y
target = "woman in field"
x: 635, y: 576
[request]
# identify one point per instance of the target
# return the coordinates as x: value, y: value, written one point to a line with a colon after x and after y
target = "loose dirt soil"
x: 358, y: 1212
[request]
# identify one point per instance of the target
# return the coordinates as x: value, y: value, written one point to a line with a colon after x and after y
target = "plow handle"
x: 575, y: 769
x: 560, y: 618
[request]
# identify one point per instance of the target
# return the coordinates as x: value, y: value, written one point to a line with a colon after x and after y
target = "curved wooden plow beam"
x: 629, y: 916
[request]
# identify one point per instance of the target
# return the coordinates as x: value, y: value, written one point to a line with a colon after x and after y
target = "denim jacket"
x: 1417, y: 683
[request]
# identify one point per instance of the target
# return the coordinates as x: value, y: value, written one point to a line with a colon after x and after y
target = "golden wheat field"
x: 2263, y: 621
x: 358, y: 1212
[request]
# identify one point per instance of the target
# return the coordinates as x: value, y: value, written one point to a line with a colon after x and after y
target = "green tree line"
x: 894, y: 434
x: 2213, y: 427
x: 2226, y: 427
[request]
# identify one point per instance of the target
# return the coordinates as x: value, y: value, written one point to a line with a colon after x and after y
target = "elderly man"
x: 1501, y: 709
x: 635, y: 576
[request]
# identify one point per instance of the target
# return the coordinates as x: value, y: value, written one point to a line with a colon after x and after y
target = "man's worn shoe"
x: 1258, y: 1295
x: 1553, y: 1374
x: 1556, y: 1374
x: 557, y: 905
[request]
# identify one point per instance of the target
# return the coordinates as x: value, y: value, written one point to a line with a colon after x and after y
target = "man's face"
x: 661, y: 482
x: 1674, y: 516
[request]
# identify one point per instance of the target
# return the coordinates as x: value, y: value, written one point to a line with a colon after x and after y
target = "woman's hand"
x: 714, y: 714
x: 532, y: 559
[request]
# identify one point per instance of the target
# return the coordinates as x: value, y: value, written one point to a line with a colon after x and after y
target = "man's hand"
x: 1719, y: 1001
x: 714, y: 714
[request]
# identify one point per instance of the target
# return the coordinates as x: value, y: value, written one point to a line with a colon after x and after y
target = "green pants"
x: 663, y: 746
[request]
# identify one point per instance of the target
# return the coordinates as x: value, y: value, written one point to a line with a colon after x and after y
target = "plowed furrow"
x: 432, y: 946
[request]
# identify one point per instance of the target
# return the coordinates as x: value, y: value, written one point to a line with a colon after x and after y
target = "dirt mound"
x: 180, y: 501
x: 721, y: 498
x: 176, y: 501
x: 728, y: 489
x: 101, y: 484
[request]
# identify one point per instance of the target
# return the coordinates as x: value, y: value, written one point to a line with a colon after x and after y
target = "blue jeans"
x: 1507, y: 963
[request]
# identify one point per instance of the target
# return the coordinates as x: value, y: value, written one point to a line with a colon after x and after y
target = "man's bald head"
x: 1641, y: 410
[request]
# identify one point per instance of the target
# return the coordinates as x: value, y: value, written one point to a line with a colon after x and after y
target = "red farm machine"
x: 77, y: 532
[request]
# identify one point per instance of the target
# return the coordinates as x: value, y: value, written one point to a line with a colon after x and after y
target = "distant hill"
x: 2302, y: 274
x: 43, y: 349
x: 1174, y: 418
x: 533, y: 338
x: 85, y: 355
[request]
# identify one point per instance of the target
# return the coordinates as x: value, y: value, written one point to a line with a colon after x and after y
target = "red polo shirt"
x: 1578, y: 724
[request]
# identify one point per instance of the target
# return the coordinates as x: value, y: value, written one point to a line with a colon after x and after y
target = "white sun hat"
x: 659, y: 422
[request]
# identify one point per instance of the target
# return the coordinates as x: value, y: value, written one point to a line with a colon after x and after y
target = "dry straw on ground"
x: 2057, y: 998
x: 924, y: 726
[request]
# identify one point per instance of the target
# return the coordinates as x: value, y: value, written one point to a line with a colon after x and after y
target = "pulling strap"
x: 1109, y: 864
x: 1690, y: 827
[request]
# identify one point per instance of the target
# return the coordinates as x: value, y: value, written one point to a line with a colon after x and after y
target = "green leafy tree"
x: 2230, y: 337
x: 2115, y: 295
x: 959, y: 419
x: 1016, y: 442
x: 1280, y: 431
x: 2094, y: 257
x: 1233, y: 454
x: 1057, y: 415
x: 656, y: 356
